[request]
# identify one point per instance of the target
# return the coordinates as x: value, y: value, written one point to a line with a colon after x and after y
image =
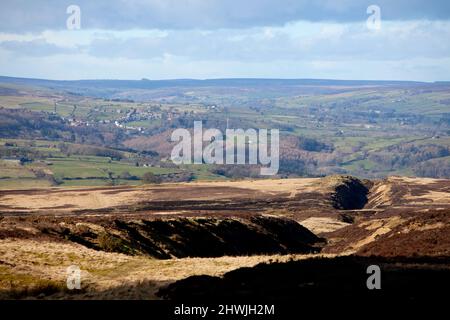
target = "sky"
x: 172, y: 39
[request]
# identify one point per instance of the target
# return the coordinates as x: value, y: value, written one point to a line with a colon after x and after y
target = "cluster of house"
x: 128, y: 115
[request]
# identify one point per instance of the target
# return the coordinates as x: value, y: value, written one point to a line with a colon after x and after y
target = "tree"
x: 125, y: 175
x: 149, y: 177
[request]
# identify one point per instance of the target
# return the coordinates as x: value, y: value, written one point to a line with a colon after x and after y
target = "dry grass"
x: 27, y: 265
x: 30, y: 267
x: 323, y: 224
x: 58, y: 199
x: 271, y: 186
x: 69, y: 199
x: 436, y: 197
x: 381, y: 195
x: 378, y: 228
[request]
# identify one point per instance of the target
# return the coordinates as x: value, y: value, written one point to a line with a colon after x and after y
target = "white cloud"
x: 412, y: 50
x: 38, y: 15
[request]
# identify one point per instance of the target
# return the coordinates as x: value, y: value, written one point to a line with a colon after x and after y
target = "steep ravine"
x: 193, y: 237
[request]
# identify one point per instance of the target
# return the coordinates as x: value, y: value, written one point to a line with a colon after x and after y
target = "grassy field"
x: 98, y: 167
x: 64, y: 169
x: 358, y: 124
x: 69, y: 170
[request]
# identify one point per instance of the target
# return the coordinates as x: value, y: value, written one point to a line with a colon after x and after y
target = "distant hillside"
x: 278, y: 87
x: 234, y: 82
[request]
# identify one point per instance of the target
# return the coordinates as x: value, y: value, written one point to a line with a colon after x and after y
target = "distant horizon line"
x: 224, y: 78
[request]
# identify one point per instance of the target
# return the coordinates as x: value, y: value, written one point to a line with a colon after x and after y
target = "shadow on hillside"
x: 320, y: 279
x: 197, y: 237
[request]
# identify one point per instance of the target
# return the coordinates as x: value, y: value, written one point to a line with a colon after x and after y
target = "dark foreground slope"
x: 340, y: 279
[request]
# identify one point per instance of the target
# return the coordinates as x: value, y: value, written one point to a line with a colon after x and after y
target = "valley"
x: 131, y: 242
x: 87, y: 180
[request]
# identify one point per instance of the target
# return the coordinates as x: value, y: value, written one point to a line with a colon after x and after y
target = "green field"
x: 364, y: 130
x: 60, y: 169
